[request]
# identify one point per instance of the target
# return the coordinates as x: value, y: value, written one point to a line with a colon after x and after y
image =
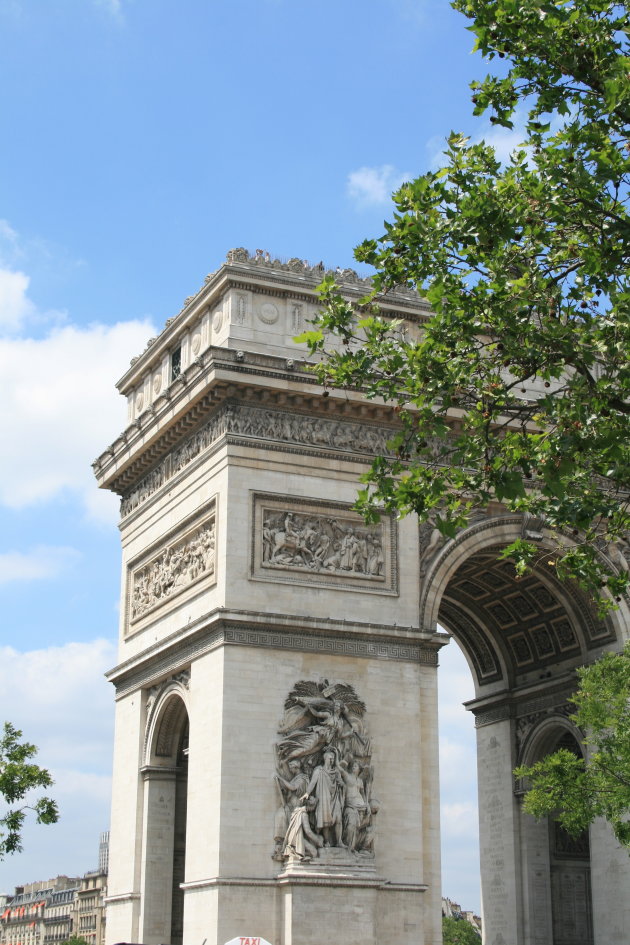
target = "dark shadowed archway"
x: 165, y: 776
x: 523, y: 638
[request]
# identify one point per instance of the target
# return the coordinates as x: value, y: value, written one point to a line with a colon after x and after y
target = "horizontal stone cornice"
x: 149, y: 439
x: 275, y: 631
x: 320, y: 878
x: 523, y: 700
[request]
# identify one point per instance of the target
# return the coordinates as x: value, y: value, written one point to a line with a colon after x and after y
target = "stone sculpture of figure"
x: 327, y: 786
x: 334, y: 728
x: 290, y: 793
x: 366, y: 832
x: 301, y: 842
x: 324, y: 754
x: 267, y: 536
x: 360, y: 556
x: 355, y: 807
x: 347, y: 550
x: 376, y: 559
x: 299, y: 540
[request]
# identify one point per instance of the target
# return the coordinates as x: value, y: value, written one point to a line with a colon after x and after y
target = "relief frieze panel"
x: 264, y: 424
x: 171, y: 568
x: 322, y: 543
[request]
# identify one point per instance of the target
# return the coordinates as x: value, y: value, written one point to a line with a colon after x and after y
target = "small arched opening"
x: 559, y: 864
x: 165, y: 776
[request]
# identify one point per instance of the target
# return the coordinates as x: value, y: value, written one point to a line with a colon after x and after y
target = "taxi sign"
x: 248, y: 940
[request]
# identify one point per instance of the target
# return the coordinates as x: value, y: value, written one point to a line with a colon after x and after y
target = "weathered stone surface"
x: 249, y: 584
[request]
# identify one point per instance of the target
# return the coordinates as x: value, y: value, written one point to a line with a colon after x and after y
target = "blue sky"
x: 142, y: 139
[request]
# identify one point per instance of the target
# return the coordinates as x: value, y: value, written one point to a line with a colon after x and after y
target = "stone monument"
x: 275, y: 763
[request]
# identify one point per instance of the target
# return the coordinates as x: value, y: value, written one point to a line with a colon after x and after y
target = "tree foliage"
x: 18, y: 776
x: 516, y: 389
x: 458, y: 932
x: 575, y: 790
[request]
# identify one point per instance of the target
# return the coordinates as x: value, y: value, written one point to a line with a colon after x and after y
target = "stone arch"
x: 544, y: 735
x: 523, y: 638
x: 510, y: 627
x: 165, y: 782
x: 167, y: 713
x: 560, y: 864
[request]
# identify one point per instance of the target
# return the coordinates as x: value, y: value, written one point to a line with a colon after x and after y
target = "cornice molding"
x: 259, y: 427
x: 274, y: 631
x: 247, y: 272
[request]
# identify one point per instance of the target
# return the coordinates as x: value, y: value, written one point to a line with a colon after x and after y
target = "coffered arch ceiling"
x: 514, y: 629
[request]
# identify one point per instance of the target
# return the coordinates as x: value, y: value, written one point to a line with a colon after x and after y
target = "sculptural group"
x: 178, y: 565
x: 323, y: 774
x: 300, y: 540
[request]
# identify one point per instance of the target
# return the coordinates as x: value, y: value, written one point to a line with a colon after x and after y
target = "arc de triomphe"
x: 275, y: 769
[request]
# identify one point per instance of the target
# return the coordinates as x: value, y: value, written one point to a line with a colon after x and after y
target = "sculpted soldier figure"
x: 290, y: 794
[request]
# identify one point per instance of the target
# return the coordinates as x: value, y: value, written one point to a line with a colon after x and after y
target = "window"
x: 176, y: 363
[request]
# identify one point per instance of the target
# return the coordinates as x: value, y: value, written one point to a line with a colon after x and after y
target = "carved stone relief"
x: 324, y: 776
x: 296, y: 318
x: 241, y: 309
x: 268, y: 313
x: 525, y: 724
x: 262, y: 423
x: 430, y: 541
x: 179, y: 564
x: 154, y: 692
x: 323, y: 542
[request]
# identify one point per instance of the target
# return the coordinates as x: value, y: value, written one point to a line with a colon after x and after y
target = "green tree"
x: 517, y: 389
x: 458, y: 932
x: 75, y: 940
x: 18, y: 776
x: 576, y: 790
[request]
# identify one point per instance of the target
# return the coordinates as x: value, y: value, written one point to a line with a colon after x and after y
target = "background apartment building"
x: 52, y: 911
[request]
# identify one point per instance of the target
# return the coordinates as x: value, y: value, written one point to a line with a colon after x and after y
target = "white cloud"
x: 9, y: 241
x: 61, y: 702
x: 458, y: 779
x: 504, y: 140
x: 60, y: 410
x: 15, y: 306
x: 371, y: 186
x: 60, y: 699
x: 43, y: 561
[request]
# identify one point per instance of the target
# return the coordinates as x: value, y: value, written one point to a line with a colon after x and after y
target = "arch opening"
x: 523, y: 638
x: 165, y: 818
x: 515, y: 630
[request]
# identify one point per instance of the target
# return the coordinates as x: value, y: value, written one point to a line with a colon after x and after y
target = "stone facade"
x: 89, y: 920
x: 250, y: 583
x: 272, y: 644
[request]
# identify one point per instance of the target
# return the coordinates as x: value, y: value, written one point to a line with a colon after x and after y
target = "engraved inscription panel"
x: 323, y: 543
